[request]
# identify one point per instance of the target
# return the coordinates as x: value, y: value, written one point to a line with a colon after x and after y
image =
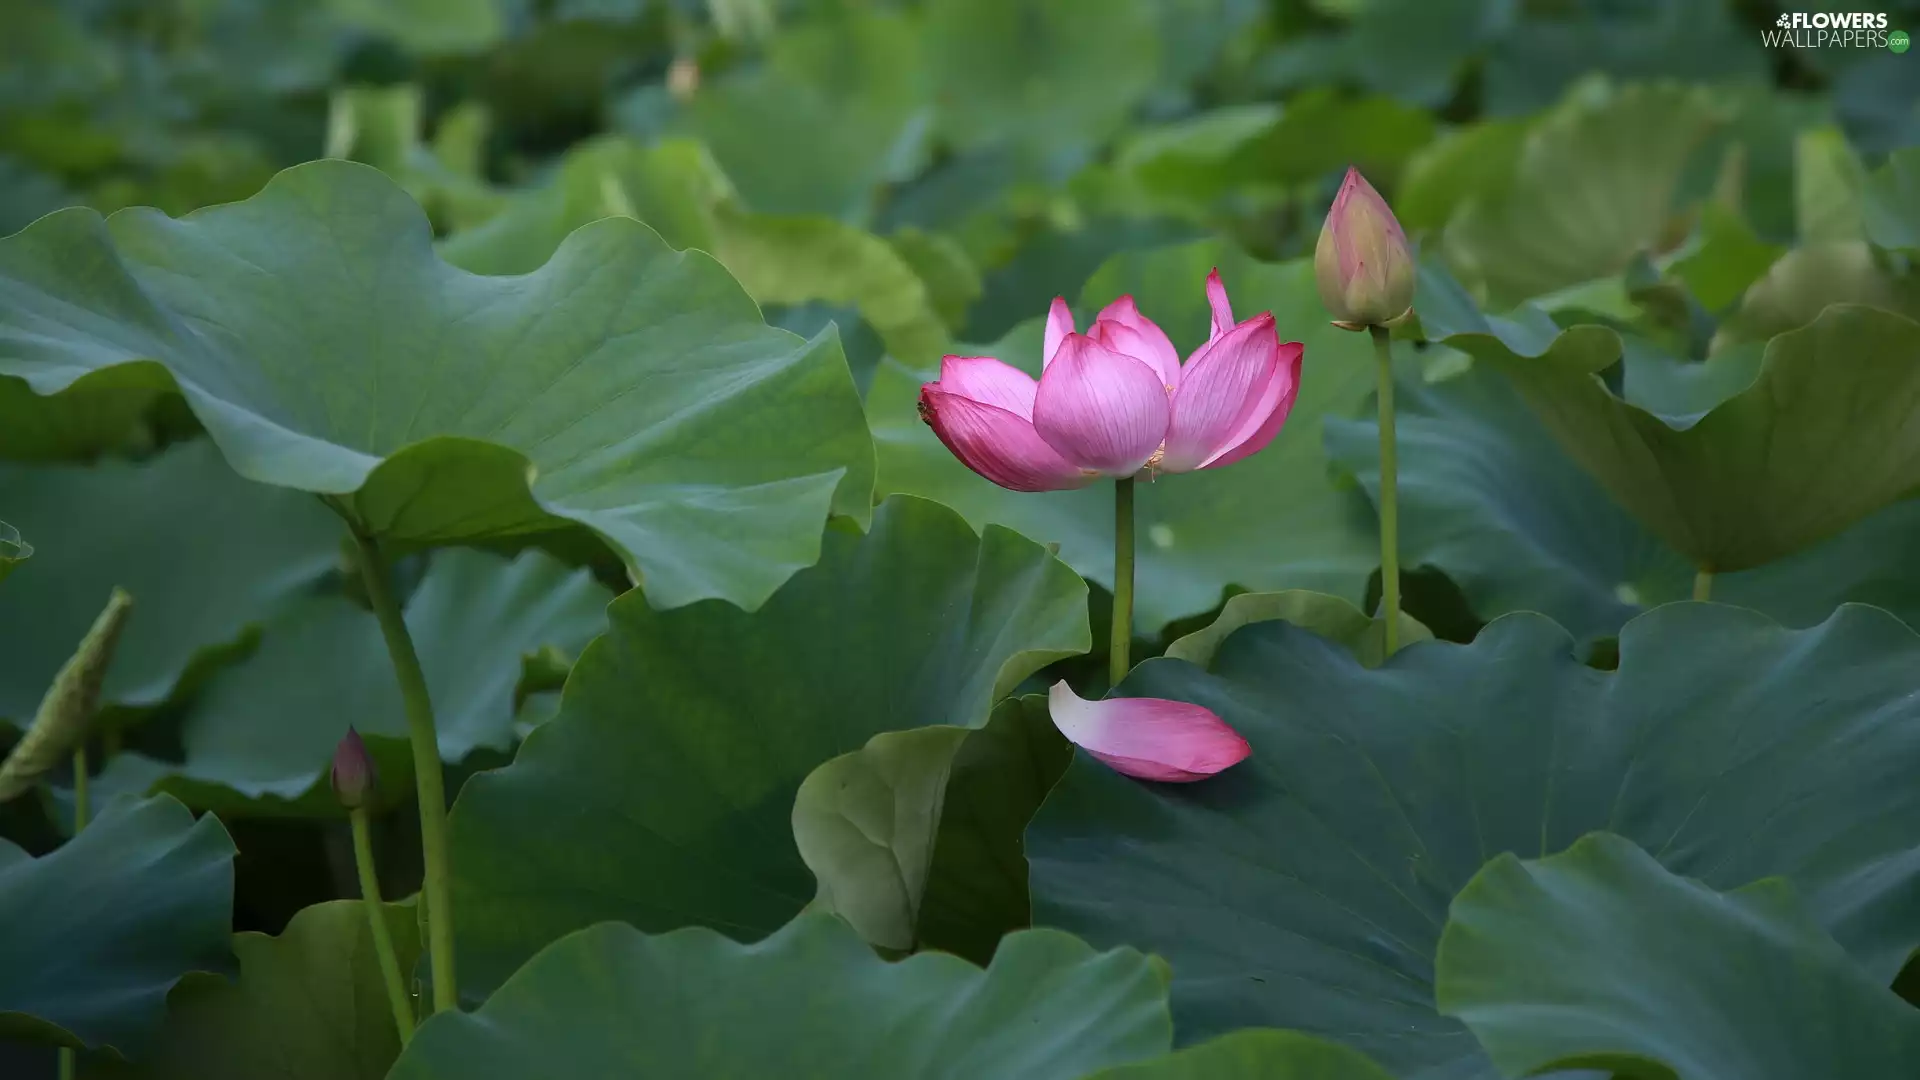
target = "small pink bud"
x: 1362, y: 262
x: 354, y: 775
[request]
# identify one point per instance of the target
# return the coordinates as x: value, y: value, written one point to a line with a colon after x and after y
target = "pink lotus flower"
x: 1116, y: 400
x: 1148, y: 738
x: 1362, y: 262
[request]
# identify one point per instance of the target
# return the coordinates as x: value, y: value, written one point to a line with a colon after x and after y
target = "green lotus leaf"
x: 1891, y: 204
x: 610, y: 999
x: 1599, y: 957
x: 1046, y: 82
x: 1808, y: 280
x: 915, y: 837
x: 1490, y: 498
x: 1332, y: 617
x: 309, y: 1005
x: 120, y: 409
x: 1307, y: 886
x: 206, y: 555
x: 676, y: 188
x: 322, y: 665
x: 683, y: 736
x: 1476, y: 161
x: 623, y: 387
x: 1829, y: 186
x: 1818, y: 441
x: 1594, y: 187
x: 839, y: 109
x: 1272, y: 521
x: 97, y: 931
x: 1726, y: 259
x: 427, y: 26
x: 1254, y: 1054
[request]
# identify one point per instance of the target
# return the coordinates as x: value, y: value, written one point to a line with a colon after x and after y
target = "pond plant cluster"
x: 1031, y: 539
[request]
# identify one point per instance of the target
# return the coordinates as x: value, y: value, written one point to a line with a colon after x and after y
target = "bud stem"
x: 377, y: 921
x: 67, y: 1060
x: 1122, y: 635
x: 1389, y: 490
x: 1702, y: 584
x: 428, y: 783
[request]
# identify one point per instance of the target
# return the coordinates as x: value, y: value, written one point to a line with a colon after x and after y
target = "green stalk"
x: 377, y: 920
x: 428, y: 782
x: 1122, y: 635
x: 80, y: 814
x: 1702, y: 584
x: 1389, y: 490
x: 67, y: 1059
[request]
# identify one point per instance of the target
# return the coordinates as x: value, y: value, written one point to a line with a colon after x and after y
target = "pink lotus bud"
x: 1148, y: 738
x: 1363, y: 264
x: 1116, y: 400
x: 354, y: 774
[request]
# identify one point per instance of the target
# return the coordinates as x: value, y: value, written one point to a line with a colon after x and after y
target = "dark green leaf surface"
x: 309, y: 1005
x: 1488, y: 496
x: 1791, y: 460
x: 683, y: 736
x: 1306, y: 887
x: 322, y: 665
x: 811, y: 1003
x: 1255, y: 1054
x: 623, y: 387
x: 1598, y: 957
x: 205, y: 554
x: 95, y: 933
x: 1272, y: 521
x: 1331, y: 617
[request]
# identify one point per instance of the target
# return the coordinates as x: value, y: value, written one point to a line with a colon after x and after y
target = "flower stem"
x: 1122, y: 636
x: 377, y: 920
x: 428, y: 782
x: 1389, y: 490
x: 80, y: 807
x: 1702, y: 584
x: 68, y: 1061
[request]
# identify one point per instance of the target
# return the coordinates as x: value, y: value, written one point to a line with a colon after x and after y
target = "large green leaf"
x: 1306, y: 887
x: 624, y: 387
x: 323, y: 665
x: 1806, y: 281
x: 915, y: 837
x: 1047, y: 80
x: 1331, y: 617
x: 205, y: 554
x: 310, y: 1005
x: 1254, y: 1054
x: 1594, y: 186
x: 1599, y: 957
x: 1818, y: 441
x: 671, y: 770
x: 811, y: 1002
x: 96, y: 932
x: 674, y: 187
x: 838, y: 109
x: 1488, y: 496
x: 1891, y: 203
x: 1273, y: 521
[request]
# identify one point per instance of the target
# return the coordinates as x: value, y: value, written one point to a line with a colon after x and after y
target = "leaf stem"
x: 1121, y: 639
x: 1389, y: 490
x: 377, y: 921
x: 428, y: 782
x: 80, y: 807
x: 67, y: 1059
x: 1702, y: 584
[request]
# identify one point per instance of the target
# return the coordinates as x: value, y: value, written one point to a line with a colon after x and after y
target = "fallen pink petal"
x: 1148, y: 738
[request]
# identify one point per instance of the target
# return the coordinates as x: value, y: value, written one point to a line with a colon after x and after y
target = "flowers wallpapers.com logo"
x: 1834, y: 29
